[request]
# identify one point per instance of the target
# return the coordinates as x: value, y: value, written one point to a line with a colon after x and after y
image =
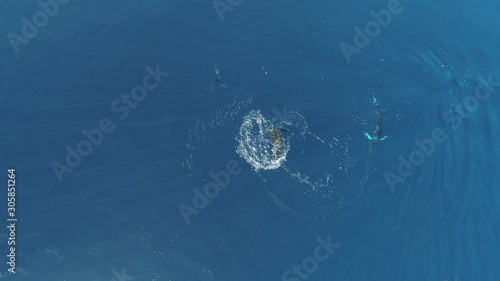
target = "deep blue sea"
x: 224, y: 140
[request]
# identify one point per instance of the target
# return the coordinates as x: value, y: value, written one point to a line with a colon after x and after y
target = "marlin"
x: 217, y: 81
x: 376, y: 136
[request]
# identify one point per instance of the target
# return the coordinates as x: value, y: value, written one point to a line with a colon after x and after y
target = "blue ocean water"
x: 125, y: 204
